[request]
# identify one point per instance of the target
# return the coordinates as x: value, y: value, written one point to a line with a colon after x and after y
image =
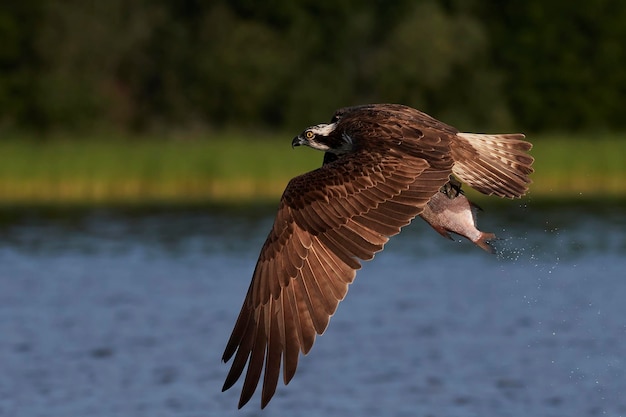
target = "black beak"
x: 297, y: 141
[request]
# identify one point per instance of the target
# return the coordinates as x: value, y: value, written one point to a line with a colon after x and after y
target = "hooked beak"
x: 297, y: 141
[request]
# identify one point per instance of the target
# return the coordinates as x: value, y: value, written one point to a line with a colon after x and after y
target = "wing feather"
x: 334, y: 289
x: 273, y: 354
x: 289, y: 337
x: 242, y: 345
x: 255, y: 364
x: 320, y: 277
x: 307, y: 290
x: 307, y: 325
x: 311, y: 256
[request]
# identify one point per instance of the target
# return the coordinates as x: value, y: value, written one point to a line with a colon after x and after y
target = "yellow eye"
x: 309, y: 134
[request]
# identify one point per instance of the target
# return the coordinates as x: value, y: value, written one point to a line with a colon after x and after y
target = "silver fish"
x: 450, y: 211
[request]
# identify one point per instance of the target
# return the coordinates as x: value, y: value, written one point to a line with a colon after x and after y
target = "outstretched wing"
x: 327, y: 221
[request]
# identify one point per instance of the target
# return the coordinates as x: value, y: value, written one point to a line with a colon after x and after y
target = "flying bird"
x: 384, y: 164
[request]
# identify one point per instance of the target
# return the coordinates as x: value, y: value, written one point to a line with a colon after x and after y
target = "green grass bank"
x: 228, y: 168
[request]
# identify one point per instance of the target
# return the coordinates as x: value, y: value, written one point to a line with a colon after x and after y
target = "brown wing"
x: 328, y: 219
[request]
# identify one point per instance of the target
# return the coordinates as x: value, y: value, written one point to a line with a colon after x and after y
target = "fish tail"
x: 483, y: 242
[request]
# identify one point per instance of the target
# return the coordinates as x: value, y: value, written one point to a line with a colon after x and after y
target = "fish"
x: 450, y: 211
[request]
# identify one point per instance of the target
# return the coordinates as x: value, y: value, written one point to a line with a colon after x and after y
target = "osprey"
x: 383, y: 164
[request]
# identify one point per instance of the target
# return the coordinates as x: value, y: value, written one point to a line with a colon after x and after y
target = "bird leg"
x: 452, y: 188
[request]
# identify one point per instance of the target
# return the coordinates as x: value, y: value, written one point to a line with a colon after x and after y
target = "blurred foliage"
x: 190, y: 64
x: 563, y: 61
x: 86, y: 170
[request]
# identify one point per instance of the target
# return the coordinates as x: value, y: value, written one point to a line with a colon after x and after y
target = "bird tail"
x: 493, y: 164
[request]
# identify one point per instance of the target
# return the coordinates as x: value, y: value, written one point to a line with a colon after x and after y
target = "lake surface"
x: 126, y: 313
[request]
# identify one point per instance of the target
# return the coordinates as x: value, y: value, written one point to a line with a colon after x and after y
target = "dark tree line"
x: 137, y: 65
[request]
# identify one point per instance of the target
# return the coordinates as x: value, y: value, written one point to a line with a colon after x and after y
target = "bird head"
x: 324, y: 137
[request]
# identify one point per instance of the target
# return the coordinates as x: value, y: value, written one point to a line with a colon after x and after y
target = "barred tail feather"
x: 493, y: 164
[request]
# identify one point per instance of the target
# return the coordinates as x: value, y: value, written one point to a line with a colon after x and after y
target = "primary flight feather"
x: 383, y: 166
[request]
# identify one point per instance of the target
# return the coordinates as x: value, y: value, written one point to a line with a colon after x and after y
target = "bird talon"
x: 452, y: 188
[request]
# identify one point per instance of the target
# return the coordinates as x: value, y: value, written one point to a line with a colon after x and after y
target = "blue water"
x: 112, y: 313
